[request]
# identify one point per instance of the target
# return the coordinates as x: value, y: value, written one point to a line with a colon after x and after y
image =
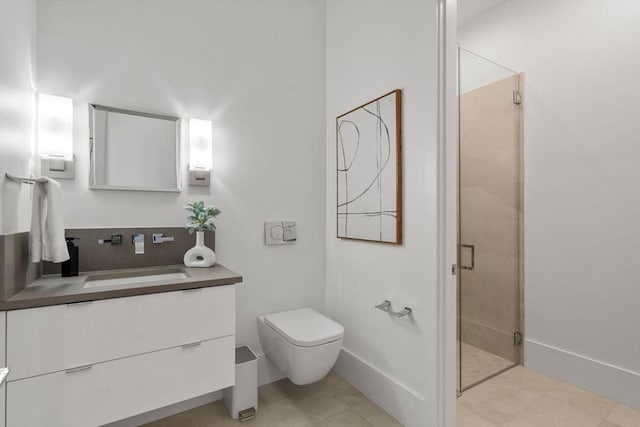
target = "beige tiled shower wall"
x: 490, y: 217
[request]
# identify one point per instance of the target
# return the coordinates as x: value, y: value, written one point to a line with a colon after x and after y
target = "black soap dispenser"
x: 69, y: 267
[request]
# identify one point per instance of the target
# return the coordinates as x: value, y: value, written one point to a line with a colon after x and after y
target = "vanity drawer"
x: 49, y: 339
x: 110, y: 391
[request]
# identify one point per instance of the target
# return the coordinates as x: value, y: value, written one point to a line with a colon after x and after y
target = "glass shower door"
x: 490, y: 208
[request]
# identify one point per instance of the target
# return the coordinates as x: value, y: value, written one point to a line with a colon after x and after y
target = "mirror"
x: 131, y: 150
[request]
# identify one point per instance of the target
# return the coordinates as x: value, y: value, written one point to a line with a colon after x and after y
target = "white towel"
x: 47, y: 229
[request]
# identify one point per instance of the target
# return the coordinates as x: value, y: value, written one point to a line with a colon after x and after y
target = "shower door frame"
x: 520, y: 226
x: 446, y: 212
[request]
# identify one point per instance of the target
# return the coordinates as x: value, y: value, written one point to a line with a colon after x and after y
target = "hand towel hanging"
x: 47, y: 228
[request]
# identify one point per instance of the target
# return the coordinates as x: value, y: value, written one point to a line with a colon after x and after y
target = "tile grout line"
x: 348, y: 409
x: 606, y: 418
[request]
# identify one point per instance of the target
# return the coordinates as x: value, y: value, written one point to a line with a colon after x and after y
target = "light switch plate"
x: 280, y: 232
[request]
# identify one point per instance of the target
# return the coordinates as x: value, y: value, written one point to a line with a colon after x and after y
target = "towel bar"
x: 386, y: 306
x: 23, y: 180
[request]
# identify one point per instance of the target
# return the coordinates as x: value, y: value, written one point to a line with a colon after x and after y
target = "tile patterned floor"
x: 331, y: 402
x: 521, y: 397
x: 478, y: 365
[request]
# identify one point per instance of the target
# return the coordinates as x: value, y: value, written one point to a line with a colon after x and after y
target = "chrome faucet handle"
x: 116, y: 239
x: 161, y: 238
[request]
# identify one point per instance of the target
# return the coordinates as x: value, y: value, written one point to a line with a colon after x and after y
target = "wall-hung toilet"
x: 302, y: 343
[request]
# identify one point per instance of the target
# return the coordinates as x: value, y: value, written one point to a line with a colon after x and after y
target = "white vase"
x: 199, y: 255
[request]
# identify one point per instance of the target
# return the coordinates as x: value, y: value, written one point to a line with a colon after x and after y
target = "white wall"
x: 257, y: 70
x: 582, y: 182
x: 473, y: 8
x: 374, y: 47
x: 17, y: 85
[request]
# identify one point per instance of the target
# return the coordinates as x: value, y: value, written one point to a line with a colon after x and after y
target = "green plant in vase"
x: 200, y: 219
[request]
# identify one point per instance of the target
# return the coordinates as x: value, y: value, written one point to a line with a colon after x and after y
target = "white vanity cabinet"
x: 88, y: 364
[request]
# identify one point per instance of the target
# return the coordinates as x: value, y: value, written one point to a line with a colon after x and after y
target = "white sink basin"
x: 133, y: 278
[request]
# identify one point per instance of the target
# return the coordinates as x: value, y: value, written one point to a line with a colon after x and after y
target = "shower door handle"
x: 473, y: 257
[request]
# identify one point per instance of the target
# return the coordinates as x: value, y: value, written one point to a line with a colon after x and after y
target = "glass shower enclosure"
x: 489, y: 219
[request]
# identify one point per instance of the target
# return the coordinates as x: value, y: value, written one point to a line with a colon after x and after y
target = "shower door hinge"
x: 517, y: 339
x: 517, y: 97
x: 454, y: 269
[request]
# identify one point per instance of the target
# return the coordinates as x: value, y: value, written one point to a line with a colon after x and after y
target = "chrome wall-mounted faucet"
x: 138, y: 243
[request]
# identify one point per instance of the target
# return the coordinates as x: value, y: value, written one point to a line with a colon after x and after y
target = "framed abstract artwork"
x: 369, y: 170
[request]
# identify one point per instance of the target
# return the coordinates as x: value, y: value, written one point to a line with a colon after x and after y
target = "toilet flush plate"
x: 280, y: 232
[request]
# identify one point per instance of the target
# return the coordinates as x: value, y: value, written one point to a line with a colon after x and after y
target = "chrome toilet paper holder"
x: 386, y: 306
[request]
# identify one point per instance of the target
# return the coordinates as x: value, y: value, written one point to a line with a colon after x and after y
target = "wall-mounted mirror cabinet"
x: 131, y: 150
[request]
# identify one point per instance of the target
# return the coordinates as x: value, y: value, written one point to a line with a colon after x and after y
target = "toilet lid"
x: 305, y: 327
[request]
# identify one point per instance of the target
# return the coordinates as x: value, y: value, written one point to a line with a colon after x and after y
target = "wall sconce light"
x: 55, y: 136
x: 200, y: 152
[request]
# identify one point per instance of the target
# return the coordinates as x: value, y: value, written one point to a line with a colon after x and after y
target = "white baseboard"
x: 612, y: 382
x: 403, y: 404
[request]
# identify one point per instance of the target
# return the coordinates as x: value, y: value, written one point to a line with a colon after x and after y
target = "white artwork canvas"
x: 369, y: 171
x: 279, y: 232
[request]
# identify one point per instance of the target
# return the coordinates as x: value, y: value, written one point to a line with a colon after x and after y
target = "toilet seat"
x: 304, y: 327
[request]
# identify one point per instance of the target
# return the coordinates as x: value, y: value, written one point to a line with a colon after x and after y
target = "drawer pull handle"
x: 74, y: 304
x: 78, y: 369
x: 192, y: 344
x: 191, y: 290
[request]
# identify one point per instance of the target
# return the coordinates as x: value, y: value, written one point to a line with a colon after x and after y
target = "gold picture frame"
x: 369, y: 171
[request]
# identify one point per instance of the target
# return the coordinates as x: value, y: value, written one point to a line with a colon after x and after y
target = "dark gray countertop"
x: 53, y: 290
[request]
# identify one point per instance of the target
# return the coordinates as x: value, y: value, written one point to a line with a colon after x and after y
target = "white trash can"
x: 241, y: 400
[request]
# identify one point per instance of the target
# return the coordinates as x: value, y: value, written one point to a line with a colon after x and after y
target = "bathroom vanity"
x: 89, y: 355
